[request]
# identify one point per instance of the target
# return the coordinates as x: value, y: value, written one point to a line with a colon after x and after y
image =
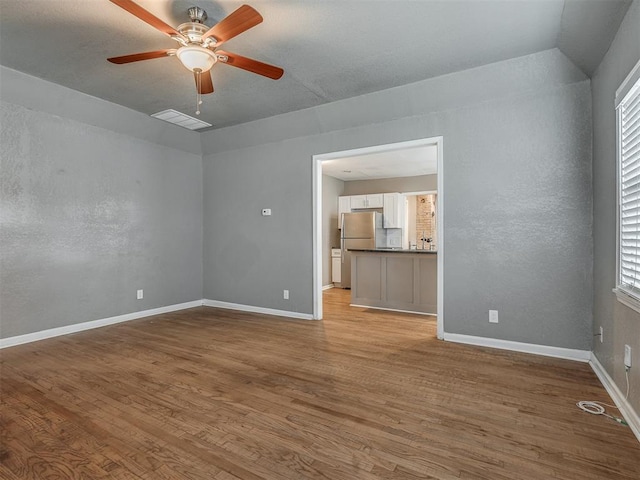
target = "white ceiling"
x: 329, y: 49
x: 407, y: 162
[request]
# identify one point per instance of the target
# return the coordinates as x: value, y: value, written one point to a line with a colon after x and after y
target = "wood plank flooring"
x: 215, y: 394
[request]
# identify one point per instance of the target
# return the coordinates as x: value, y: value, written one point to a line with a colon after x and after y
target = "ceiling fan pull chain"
x: 198, y: 90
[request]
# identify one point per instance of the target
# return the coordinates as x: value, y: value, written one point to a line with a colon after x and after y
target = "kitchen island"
x: 395, y: 279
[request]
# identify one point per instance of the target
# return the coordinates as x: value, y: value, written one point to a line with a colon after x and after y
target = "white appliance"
x: 359, y: 230
x: 336, y: 266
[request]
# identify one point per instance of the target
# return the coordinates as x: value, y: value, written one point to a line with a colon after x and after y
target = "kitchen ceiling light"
x: 196, y: 58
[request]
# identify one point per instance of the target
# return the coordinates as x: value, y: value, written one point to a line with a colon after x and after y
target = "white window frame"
x: 629, y: 91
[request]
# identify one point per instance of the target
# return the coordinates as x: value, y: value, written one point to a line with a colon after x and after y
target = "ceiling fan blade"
x: 250, y: 65
x: 234, y: 24
x: 136, y: 57
x: 205, y: 83
x: 146, y: 16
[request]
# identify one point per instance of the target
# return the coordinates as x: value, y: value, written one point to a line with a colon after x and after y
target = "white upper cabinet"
x: 393, y: 210
x: 367, y: 201
x: 392, y: 205
x: 375, y: 200
x: 358, y: 201
x: 344, y: 206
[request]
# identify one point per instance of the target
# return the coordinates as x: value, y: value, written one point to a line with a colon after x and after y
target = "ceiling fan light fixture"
x: 196, y: 58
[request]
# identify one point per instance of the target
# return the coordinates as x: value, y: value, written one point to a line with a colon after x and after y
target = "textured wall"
x: 250, y: 259
x: 517, y: 196
x: 332, y: 188
x: 37, y: 94
x: 518, y: 76
x: 517, y: 219
x: 621, y: 324
x: 88, y: 217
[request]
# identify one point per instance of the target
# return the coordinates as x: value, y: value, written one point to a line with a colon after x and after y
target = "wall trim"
x: 547, y: 351
x: 393, y: 309
x: 627, y: 299
x: 253, y: 309
x: 627, y: 84
x: 316, y: 196
x: 327, y: 287
x: 103, y: 322
x: 627, y: 411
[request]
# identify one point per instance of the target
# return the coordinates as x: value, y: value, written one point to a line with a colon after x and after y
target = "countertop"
x: 391, y: 250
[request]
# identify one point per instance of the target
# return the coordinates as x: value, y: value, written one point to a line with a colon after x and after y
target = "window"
x: 628, y: 149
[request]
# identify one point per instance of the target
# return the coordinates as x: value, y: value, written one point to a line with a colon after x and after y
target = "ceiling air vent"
x: 180, y: 119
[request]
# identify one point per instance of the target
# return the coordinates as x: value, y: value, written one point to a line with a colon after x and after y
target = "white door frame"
x: 317, y: 217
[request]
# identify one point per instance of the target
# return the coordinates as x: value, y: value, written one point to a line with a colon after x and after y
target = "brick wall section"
x: 425, y: 218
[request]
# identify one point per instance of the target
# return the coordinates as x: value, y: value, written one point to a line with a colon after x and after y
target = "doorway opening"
x: 318, y: 257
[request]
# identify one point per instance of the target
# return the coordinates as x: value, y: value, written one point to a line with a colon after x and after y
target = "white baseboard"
x: 79, y: 327
x: 557, y: 352
x: 253, y: 309
x: 327, y: 287
x: 627, y: 411
x: 392, y: 309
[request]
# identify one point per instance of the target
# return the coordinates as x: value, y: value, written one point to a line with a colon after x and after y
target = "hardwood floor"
x: 215, y: 394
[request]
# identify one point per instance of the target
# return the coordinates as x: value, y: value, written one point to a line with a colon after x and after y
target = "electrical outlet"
x: 627, y: 356
x: 601, y: 335
x: 140, y: 294
x: 493, y: 316
x: 285, y: 294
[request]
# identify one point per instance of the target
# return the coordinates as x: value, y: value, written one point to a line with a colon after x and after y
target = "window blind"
x: 629, y: 181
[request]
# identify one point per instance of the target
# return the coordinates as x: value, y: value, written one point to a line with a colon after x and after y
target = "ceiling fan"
x: 198, y: 50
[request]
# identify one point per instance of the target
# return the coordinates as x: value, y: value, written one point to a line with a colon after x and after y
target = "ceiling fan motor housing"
x: 197, y: 14
x: 194, y: 31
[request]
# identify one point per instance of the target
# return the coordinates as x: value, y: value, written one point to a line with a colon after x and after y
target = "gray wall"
x: 517, y: 196
x: 93, y: 214
x: 18, y: 87
x: 90, y: 215
x: 250, y: 259
x: 332, y: 188
x: 621, y: 324
x: 390, y: 185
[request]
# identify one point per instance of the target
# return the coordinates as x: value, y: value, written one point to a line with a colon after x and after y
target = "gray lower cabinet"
x: 397, y: 281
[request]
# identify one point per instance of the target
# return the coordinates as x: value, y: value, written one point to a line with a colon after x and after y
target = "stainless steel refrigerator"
x: 358, y: 230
